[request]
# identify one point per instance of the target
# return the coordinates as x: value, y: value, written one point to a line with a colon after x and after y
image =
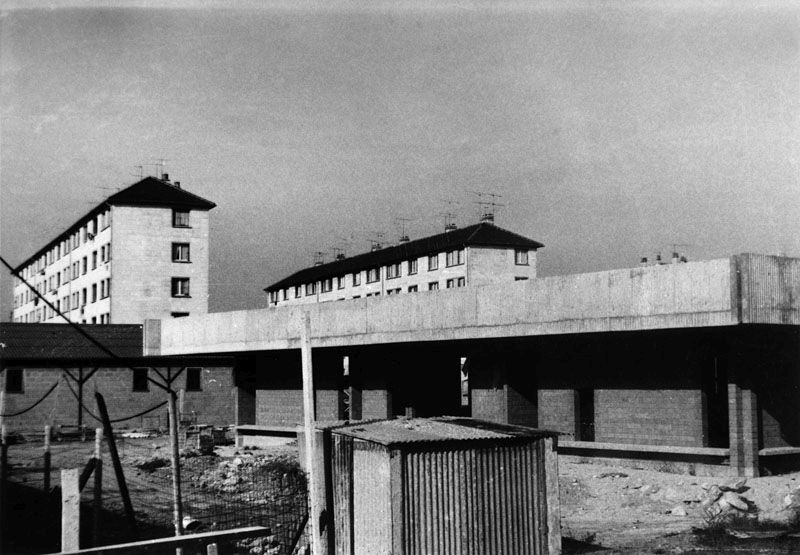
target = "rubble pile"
x: 237, y: 475
x: 721, y: 501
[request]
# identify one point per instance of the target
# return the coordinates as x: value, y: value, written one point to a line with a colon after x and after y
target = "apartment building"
x: 141, y: 253
x: 475, y: 255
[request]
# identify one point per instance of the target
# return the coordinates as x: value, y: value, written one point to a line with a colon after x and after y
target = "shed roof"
x: 47, y: 342
x: 483, y: 234
x: 437, y: 429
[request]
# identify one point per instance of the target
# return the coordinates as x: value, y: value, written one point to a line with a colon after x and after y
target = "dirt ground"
x: 605, y: 509
x: 608, y: 509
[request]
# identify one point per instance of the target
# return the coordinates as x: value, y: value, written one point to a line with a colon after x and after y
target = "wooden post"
x: 308, y: 424
x: 70, y: 510
x: 46, y: 464
x: 80, y: 403
x: 211, y: 549
x: 112, y: 449
x: 97, y: 500
x: 177, y: 509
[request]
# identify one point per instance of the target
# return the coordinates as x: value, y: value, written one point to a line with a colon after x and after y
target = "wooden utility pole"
x: 309, y: 417
x: 177, y: 507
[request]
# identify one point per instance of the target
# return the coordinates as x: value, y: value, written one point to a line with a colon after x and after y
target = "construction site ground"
x: 605, y: 509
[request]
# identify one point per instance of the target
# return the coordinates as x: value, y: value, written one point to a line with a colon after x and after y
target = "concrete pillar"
x: 502, y: 394
x: 743, y: 430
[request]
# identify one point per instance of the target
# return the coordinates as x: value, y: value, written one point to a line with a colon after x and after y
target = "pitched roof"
x: 483, y: 234
x: 149, y: 191
x: 48, y: 342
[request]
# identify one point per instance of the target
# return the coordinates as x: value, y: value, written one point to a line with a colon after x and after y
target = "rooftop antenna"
x: 449, y: 220
x: 160, y: 164
x: 488, y: 203
x: 338, y: 253
x: 319, y: 258
x: 376, y: 240
x: 140, y: 175
x: 402, y: 221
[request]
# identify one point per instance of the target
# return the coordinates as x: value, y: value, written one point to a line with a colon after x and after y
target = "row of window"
x: 78, y: 299
x: 82, y: 235
x: 15, y: 379
x: 432, y: 286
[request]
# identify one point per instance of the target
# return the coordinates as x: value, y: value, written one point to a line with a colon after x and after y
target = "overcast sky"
x: 611, y: 130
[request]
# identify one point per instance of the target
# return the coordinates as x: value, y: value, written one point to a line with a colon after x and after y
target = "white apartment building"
x: 142, y: 253
x: 476, y: 255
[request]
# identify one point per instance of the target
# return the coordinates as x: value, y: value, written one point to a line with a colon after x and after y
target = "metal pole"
x: 47, y: 459
x: 97, y: 501
x: 112, y: 449
x: 308, y: 424
x: 176, y: 464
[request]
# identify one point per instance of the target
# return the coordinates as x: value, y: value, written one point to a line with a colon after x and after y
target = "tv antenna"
x: 488, y: 204
x: 376, y: 240
x: 319, y: 258
x: 160, y: 164
x: 140, y: 175
x: 402, y: 223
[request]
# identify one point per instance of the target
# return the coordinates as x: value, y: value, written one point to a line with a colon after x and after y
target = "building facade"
x: 476, y: 255
x: 142, y: 253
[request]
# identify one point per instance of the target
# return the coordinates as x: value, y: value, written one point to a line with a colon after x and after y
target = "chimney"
x: 487, y: 217
x: 165, y: 177
x: 643, y: 262
x: 376, y: 246
x: 177, y: 184
x: 404, y: 239
x: 675, y: 258
x: 340, y: 256
x: 450, y: 227
x: 659, y: 262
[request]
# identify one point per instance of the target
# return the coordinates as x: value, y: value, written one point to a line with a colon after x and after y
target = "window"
x: 285, y: 294
x: 356, y: 278
x: 140, y: 382
x: 14, y: 382
x: 83, y: 297
x: 311, y: 289
x: 85, y: 264
x: 521, y: 257
x: 450, y: 283
x: 296, y: 291
x: 433, y: 286
x: 393, y: 291
x: 454, y: 258
x: 180, y: 287
x: 273, y: 297
x: 180, y: 252
x: 94, y: 260
x: 373, y: 275
x: 433, y: 262
x: 179, y: 314
x: 461, y: 282
x: 94, y: 292
x: 413, y: 288
x: 412, y: 267
x: 340, y: 282
x: 193, y: 379
x: 180, y: 218
x: 520, y: 278
x: 393, y: 271
x: 65, y: 304
x: 327, y: 285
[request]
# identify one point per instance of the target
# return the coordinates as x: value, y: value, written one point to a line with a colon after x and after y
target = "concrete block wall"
x: 213, y: 404
x: 649, y: 417
x: 556, y: 411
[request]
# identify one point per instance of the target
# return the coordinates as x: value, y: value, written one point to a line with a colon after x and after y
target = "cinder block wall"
x: 557, y: 411
x: 213, y: 404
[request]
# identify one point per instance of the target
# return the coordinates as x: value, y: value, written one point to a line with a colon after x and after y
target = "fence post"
x: 97, y: 501
x: 211, y: 549
x: 70, y: 509
x: 309, y: 416
x: 176, y: 464
x: 47, y: 459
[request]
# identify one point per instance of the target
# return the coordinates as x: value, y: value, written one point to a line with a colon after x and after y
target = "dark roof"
x: 149, y: 191
x: 483, y: 234
x: 155, y: 192
x: 47, y: 342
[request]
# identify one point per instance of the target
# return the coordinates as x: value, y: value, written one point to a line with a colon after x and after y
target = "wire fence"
x: 222, y: 488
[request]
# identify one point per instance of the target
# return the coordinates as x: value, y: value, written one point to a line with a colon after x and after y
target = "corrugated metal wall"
x: 486, y: 500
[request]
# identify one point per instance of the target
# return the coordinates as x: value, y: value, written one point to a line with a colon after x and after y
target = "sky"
x: 612, y: 130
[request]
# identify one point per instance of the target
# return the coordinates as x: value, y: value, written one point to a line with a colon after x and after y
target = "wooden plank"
x: 191, y: 541
x: 70, y: 509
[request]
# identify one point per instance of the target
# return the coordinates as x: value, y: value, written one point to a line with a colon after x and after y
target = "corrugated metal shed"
x: 445, y: 485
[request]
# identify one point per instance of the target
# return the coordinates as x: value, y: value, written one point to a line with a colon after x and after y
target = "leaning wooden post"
x: 308, y: 424
x: 112, y: 450
x: 46, y: 464
x: 177, y: 508
x: 97, y: 500
x: 70, y: 509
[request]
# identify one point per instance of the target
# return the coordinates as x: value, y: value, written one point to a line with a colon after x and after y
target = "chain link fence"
x: 222, y: 488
